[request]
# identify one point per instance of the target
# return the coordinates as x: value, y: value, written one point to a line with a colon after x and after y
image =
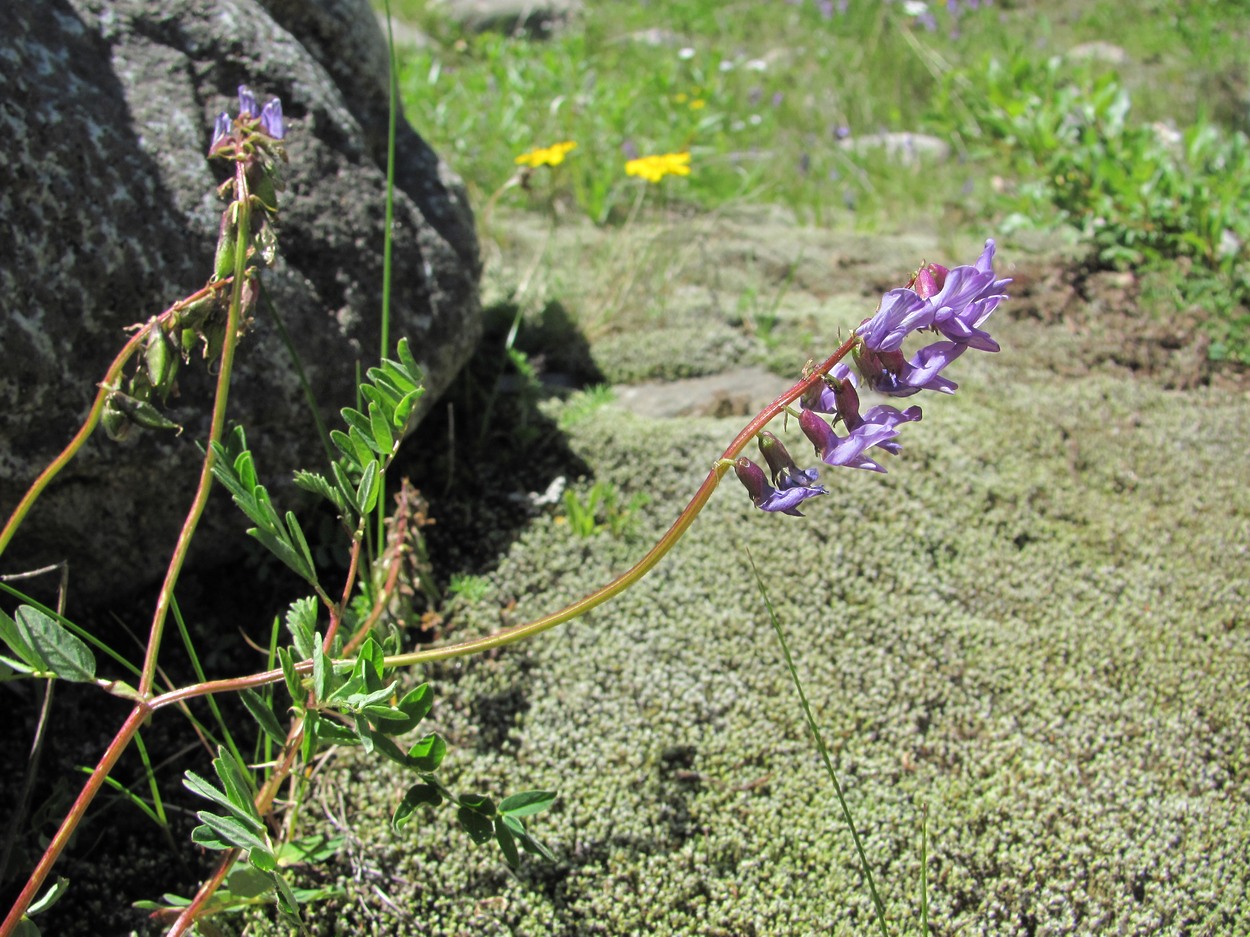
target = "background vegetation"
x: 1124, y: 127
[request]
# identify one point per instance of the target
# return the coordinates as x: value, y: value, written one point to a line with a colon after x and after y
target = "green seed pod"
x: 227, y: 241
x: 141, y: 412
x: 161, y: 361
x: 116, y: 423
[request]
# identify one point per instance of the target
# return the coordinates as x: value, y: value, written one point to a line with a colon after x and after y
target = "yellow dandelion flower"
x: 655, y: 168
x: 547, y: 155
x: 698, y: 104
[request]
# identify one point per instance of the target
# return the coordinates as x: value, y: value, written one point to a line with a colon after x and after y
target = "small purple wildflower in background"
x: 826, y: 8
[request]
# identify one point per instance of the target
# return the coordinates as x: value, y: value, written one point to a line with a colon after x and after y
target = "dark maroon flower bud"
x: 767, y: 498
x: 786, y: 474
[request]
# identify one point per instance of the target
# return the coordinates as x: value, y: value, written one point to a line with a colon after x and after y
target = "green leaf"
x: 367, y: 493
x: 522, y: 836
x: 262, y: 857
x: 279, y: 547
x: 418, y: 795
x: 245, y: 881
x: 372, y: 655
x: 381, y: 392
x: 288, y: 903
x: 479, y: 827
x: 198, y: 785
x: 415, y: 706
x: 336, y: 733
x: 364, y: 732
x: 309, y: 849
x: 381, y: 428
x: 344, y: 444
x: 428, y: 753
x: 504, y: 838
x: 236, y: 783
x: 386, y: 747
x: 320, y: 485
x: 301, y: 622
x: 263, y: 713
x: 233, y: 831
x: 49, y: 897
x: 298, y: 540
x: 28, y: 659
x: 365, y: 452
x: 294, y: 685
x: 361, y: 427
x: 207, y: 837
x: 321, y: 670
x: 411, y: 369
x: 26, y: 928
x: 344, y: 482
x: 403, y: 410
x: 46, y: 646
x: 527, y: 803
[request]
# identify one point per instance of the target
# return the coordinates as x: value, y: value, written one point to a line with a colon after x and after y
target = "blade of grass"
x: 227, y: 737
x: 822, y: 748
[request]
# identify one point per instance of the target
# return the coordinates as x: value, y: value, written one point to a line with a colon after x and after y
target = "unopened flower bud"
x: 752, y: 478
x: 846, y: 400
x: 783, y: 467
x: 928, y: 280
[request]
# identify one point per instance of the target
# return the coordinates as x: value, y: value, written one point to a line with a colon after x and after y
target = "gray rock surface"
x: 110, y: 215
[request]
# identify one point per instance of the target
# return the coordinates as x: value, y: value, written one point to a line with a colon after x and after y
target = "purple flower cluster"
x: 951, y: 303
x: 267, y: 119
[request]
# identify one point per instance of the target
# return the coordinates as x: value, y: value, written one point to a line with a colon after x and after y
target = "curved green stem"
x: 652, y: 557
x: 107, y: 386
x: 242, y: 220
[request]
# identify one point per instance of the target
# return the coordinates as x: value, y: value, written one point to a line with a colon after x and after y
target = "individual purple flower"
x: 271, y: 121
x: 889, y: 373
x: 952, y: 302
x: 220, y: 128
x: 247, y: 102
x: 901, y: 312
x: 768, y: 498
x: 837, y: 395
x: 966, y: 299
x: 846, y: 450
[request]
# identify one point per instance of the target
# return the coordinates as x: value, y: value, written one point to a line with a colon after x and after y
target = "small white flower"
x: 685, y: 54
x: 915, y: 7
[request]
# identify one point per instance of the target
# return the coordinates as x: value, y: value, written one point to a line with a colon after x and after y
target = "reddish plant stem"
x: 653, y: 556
x: 242, y: 209
x: 264, y: 800
x: 37, y: 878
x: 107, y: 386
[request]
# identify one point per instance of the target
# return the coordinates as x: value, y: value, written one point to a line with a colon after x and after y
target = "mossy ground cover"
x: 1032, y: 631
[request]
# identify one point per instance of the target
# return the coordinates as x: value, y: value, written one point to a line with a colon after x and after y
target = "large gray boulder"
x: 110, y: 214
